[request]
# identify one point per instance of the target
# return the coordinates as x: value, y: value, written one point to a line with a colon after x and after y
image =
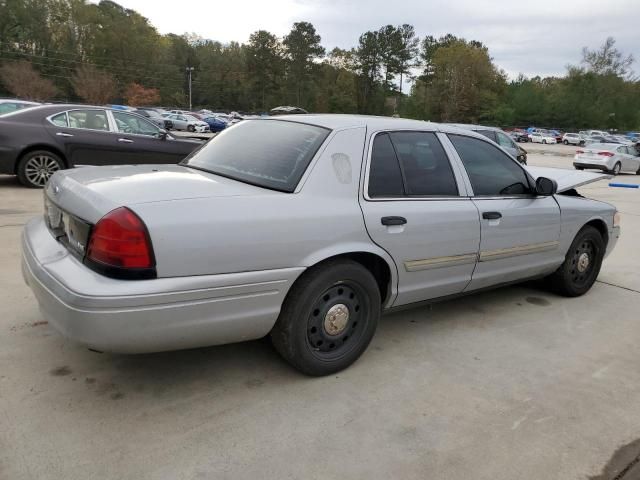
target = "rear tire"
x: 35, y: 168
x: 581, y: 265
x: 328, y: 318
x: 616, y: 169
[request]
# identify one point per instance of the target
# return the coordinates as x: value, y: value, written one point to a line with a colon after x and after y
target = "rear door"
x: 415, y: 207
x: 520, y: 231
x: 84, y: 135
x: 139, y: 141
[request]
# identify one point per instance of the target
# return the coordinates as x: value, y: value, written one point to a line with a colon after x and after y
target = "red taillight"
x: 120, y: 240
x: 606, y: 154
x: 579, y: 151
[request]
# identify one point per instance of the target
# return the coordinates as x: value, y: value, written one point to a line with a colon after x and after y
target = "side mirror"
x: 546, y: 186
x: 162, y: 134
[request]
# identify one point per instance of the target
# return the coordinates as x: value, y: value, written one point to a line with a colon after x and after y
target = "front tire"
x: 544, y: 141
x: 191, y: 128
x: 581, y: 265
x: 328, y: 318
x: 36, y: 168
x: 566, y: 142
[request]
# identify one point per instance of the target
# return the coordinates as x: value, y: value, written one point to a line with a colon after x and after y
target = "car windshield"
x: 269, y: 153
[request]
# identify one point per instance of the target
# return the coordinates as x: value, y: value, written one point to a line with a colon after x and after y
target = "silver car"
x: 305, y: 228
x: 187, y: 122
x: 609, y: 157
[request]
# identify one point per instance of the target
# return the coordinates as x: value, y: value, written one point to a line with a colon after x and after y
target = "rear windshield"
x: 268, y: 153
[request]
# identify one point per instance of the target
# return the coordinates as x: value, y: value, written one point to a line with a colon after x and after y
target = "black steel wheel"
x: 36, y: 168
x: 328, y: 318
x: 581, y: 265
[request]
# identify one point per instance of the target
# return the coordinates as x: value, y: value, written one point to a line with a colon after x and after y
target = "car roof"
x: 605, y: 146
x: 371, y: 122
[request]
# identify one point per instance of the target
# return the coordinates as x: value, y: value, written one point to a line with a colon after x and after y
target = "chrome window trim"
x: 81, y: 128
x: 456, y: 174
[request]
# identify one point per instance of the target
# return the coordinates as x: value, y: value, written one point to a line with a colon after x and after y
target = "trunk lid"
x: 90, y: 192
x: 567, y: 179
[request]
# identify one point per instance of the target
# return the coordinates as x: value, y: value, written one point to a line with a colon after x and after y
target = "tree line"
x: 73, y: 50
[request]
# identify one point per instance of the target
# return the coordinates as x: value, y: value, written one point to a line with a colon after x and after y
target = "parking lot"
x: 516, y: 383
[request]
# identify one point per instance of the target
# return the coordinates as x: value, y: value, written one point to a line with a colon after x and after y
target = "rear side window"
x: 410, y: 164
x: 491, y: 171
x: 60, y: 120
x: 385, y: 179
x: 90, y: 119
x: 425, y: 164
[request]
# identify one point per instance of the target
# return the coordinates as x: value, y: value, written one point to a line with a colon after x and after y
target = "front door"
x: 414, y: 208
x: 139, y: 141
x: 520, y: 231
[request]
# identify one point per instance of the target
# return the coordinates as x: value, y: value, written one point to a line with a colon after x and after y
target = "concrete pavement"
x: 512, y: 383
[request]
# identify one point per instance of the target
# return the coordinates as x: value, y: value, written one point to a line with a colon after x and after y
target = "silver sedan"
x: 187, y: 122
x: 609, y: 157
x: 305, y: 228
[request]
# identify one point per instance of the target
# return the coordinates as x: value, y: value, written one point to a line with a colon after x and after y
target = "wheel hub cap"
x: 336, y: 319
x: 583, y: 262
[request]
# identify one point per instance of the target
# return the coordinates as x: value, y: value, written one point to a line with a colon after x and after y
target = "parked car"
x: 519, y: 136
x: 599, y: 133
x: 284, y: 110
x: 187, y: 122
x: 594, y: 139
x: 498, y: 136
x: 559, y: 135
x: 609, y: 157
x: 155, y: 117
x: 538, y: 137
x: 216, y: 124
x: 37, y: 142
x: 573, y: 139
x: 8, y: 105
x: 283, y: 226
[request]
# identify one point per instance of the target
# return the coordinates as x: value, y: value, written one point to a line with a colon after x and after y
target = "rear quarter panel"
x: 204, y: 236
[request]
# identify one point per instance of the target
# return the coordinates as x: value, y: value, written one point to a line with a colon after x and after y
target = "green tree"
x: 302, y: 48
x: 264, y: 66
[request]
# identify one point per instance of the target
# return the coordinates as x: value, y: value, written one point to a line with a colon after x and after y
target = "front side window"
x: 60, y: 119
x: 90, y: 119
x: 268, y: 153
x: 490, y: 134
x: 504, y: 141
x: 127, y: 123
x: 491, y: 171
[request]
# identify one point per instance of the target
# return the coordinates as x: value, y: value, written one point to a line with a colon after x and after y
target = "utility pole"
x: 190, y: 69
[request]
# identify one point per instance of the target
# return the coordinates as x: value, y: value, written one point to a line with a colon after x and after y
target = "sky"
x: 539, y: 37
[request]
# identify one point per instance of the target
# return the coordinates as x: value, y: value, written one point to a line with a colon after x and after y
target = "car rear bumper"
x: 594, y: 166
x: 138, y: 316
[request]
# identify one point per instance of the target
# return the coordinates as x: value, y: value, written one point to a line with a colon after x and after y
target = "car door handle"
x: 491, y: 215
x: 64, y: 134
x: 125, y: 140
x: 389, y: 221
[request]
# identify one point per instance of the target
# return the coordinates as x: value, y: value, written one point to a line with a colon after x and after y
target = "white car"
x: 573, y: 139
x: 538, y: 137
x: 610, y: 157
x: 187, y: 122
